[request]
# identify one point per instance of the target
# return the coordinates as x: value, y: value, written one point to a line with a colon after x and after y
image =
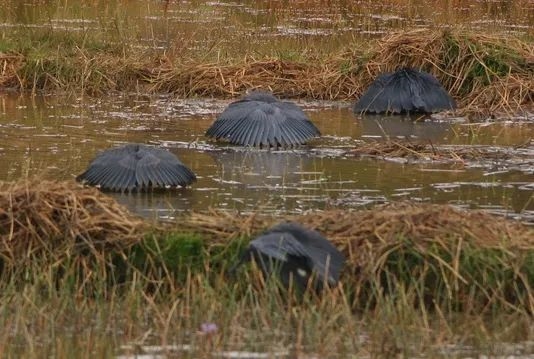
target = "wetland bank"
x: 433, y: 213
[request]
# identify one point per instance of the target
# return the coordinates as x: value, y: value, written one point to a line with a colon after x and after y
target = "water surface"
x: 56, y: 137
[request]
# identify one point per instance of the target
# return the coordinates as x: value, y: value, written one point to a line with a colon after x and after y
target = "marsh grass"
x: 412, y: 271
x: 485, y: 73
x: 251, y: 316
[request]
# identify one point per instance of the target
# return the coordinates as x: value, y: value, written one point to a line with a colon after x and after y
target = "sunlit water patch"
x: 57, y: 137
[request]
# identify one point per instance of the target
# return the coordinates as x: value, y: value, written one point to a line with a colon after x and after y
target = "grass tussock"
x: 429, y: 256
x: 59, y: 221
x: 444, y: 257
x: 286, y: 78
x: 486, y: 74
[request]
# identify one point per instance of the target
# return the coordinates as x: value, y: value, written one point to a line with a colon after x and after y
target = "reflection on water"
x: 269, y: 169
x: 404, y: 127
x: 57, y: 137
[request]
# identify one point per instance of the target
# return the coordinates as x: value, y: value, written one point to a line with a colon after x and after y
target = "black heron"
x: 136, y: 167
x: 261, y: 120
x: 405, y: 91
x: 297, y: 255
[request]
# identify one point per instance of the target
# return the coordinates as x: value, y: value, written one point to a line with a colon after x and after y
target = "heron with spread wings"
x: 405, y: 91
x: 261, y: 120
x: 136, y: 167
x: 296, y: 255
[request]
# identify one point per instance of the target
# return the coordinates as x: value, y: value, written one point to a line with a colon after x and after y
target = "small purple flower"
x: 208, y: 328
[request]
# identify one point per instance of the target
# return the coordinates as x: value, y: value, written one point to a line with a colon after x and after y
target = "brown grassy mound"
x: 436, y: 254
x: 318, y: 80
x: 364, y: 235
x: 357, y: 231
x: 485, y: 74
x: 220, y: 226
x: 61, y: 219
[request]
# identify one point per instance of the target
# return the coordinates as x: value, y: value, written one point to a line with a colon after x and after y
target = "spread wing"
x: 432, y: 95
x: 263, y: 124
x: 136, y: 167
x: 113, y: 169
x: 377, y: 98
x: 282, y: 245
x: 324, y: 255
x: 406, y: 90
x: 161, y: 168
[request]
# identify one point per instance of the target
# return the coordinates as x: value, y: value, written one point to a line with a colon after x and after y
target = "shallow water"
x: 56, y: 137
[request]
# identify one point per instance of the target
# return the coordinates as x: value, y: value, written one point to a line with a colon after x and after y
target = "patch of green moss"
x: 174, y: 251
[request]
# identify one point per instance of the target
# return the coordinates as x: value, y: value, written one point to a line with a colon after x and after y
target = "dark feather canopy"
x: 261, y: 120
x: 292, y: 250
x: 136, y: 167
x: 405, y: 91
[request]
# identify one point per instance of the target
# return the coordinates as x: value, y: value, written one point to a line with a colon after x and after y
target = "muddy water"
x: 56, y: 138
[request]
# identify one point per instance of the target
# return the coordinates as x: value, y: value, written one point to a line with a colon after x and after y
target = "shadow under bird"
x: 136, y: 167
x: 295, y: 254
x: 405, y: 91
x: 261, y: 120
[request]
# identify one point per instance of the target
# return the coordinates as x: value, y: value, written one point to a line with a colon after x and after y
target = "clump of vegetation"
x: 84, y: 262
x: 420, y: 152
x: 445, y: 257
x: 448, y: 258
x: 40, y: 214
x: 486, y: 74
x: 61, y: 227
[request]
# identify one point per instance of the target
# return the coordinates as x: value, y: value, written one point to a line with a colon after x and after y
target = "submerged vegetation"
x: 427, y: 152
x: 407, y: 263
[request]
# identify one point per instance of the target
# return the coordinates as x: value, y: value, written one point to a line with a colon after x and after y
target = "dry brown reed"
x: 365, y: 235
x: 447, y: 257
x: 10, y: 65
x: 61, y: 220
x: 220, y: 226
x: 357, y: 231
x: 485, y: 73
x: 286, y: 78
x: 418, y: 151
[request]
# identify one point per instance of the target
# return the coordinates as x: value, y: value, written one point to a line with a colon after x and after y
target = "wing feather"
x: 406, y: 90
x: 138, y: 167
x: 260, y: 119
x: 319, y: 254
